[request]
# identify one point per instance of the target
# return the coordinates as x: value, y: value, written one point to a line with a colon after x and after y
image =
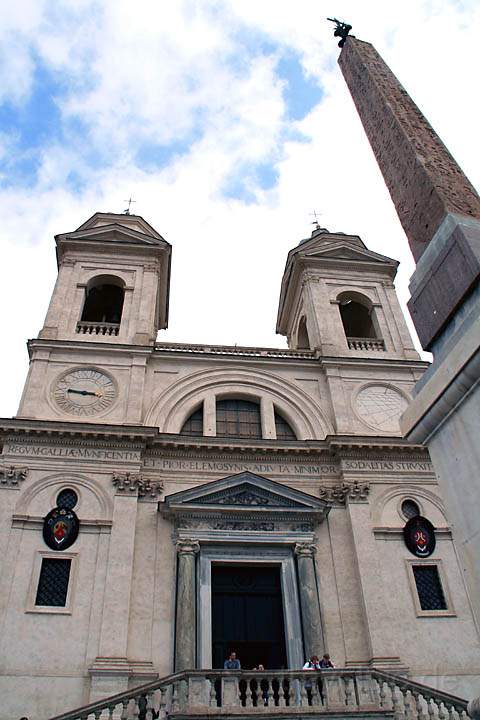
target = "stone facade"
x: 158, y: 506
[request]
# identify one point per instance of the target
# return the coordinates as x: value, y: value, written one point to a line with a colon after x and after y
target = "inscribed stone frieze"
x: 62, y: 452
x: 174, y: 465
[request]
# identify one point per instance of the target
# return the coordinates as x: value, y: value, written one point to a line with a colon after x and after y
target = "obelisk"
x: 435, y: 201
x: 440, y: 213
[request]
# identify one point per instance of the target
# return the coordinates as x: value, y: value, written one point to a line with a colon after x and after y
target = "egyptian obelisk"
x: 440, y: 212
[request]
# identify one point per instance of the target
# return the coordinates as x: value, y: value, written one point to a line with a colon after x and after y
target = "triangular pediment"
x: 346, y: 251
x: 133, y: 222
x: 244, y: 491
x: 116, y: 234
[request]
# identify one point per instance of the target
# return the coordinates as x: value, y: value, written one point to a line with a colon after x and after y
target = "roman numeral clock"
x: 84, y: 392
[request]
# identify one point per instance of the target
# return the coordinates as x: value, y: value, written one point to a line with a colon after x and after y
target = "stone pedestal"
x: 311, y: 619
x: 185, y: 629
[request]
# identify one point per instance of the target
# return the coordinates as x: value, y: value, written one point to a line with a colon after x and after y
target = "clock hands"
x: 85, y: 392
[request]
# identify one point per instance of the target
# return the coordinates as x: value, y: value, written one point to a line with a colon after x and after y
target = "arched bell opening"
x: 103, y: 306
x: 303, y: 341
x: 359, y: 322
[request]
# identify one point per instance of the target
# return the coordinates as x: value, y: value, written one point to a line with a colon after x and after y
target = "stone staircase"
x: 366, y: 693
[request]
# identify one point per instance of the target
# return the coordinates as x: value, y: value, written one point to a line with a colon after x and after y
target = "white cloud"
x: 152, y: 72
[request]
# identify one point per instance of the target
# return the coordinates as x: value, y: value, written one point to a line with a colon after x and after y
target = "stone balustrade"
x: 375, y: 344
x: 97, y: 328
x: 364, y: 692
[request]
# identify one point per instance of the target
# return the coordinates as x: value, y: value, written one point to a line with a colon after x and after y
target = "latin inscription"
x: 230, y: 468
x: 389, y: 465
x: 79, y: 453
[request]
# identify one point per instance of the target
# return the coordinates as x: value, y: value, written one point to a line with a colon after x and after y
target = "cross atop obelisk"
x: 437, y: 205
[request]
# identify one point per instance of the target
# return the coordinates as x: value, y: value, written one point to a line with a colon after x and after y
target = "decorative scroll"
x: 131, y: 482
x: 339, y: 493
x: 12, y: 475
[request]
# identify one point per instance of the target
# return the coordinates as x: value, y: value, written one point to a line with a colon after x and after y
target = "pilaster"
x: 111, y: 668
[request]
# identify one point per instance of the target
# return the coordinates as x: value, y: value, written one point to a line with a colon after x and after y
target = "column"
x: 309, y: 601
x: 185, y: 629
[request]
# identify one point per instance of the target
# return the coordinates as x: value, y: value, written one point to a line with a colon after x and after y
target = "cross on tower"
x: 129, y: 201
x: 316, y: 216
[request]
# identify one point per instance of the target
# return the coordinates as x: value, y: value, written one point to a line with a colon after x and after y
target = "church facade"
x: 166, y: 504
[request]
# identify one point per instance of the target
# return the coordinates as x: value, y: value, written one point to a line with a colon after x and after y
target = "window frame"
x: 450, y: 610
x: 72, y: 582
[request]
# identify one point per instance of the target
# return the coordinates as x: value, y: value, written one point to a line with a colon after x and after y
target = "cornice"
x: 156, y: 443
x: 76, y: 345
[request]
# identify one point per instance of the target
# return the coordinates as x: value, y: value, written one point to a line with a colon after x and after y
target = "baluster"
x: 349, y: 691
x: 150, y: 705
x: 185, y: 690
x: 450, y: 710
x: 269, y: 699
x: 303, y: 693
x: 419, y: 705
x: 288, y: 691
x: 316, y: 701
x: 407, y: 703
x: 249, y: 692
x: 213, y: 693
x: 431, y: 707
x: 136, y: 708
x: 162, y: 708
x: 442, y: 713
x: 175, y: 705
x: 97, y: 714
x: 382, y: 694
x: 282, y: 700
x: 397, y: 710
x: 124, y: 715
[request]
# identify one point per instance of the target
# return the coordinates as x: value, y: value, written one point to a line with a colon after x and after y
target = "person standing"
x: 325, y: 662
x: 232, y: 662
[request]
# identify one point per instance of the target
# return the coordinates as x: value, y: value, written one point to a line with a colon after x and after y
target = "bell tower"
x: 338, y: 298
x: 109, y: 301
x: 113, y: 282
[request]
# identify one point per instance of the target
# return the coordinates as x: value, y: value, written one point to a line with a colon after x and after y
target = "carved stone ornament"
x: 131, y: 482
x: 305, y: 550
x: 12, y: 475
x: 188, y: 547
x: 339, y: 493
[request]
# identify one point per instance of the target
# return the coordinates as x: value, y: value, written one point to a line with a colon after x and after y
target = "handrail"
x: 217, y: 692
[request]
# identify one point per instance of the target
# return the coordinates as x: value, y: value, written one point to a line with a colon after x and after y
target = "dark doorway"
x: 247, y: 616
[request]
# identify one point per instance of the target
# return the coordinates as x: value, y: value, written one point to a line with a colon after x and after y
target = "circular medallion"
x: 84, y: 392
x: 60, y: 528
x: 419, y: 536
x: 381, y: 407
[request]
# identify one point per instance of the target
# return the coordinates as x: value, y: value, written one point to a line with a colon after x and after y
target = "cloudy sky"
x: 228, y: 122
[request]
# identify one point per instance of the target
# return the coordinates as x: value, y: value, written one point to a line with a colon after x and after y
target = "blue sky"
x: 228, y: 121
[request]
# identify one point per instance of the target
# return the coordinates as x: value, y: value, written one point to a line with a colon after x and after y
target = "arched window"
x: 238, y: 418
x: 303, y: 341
x: 194, y: 424
x: 103, y: 300
x: 284, y: 431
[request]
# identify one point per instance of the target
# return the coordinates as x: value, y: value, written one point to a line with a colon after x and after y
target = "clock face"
x: 84, y: 392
